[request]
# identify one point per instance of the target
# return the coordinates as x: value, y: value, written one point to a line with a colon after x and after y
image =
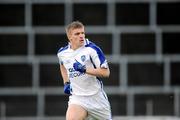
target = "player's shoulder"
x: 92, y: 45
x: 62, y: 49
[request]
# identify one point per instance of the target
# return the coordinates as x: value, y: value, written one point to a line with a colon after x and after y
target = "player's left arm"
x: 99, y: 72
x: 101, y: 68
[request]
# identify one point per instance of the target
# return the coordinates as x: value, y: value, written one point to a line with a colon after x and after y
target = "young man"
x: 82, y: 63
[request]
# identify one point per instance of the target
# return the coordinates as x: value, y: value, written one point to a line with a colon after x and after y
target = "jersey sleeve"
x: 59, y: 59
x: 59, y: 56
x: 97, y: 57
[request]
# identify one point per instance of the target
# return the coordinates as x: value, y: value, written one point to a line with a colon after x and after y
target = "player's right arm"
x: 64, y: 73
x: 67, y: 88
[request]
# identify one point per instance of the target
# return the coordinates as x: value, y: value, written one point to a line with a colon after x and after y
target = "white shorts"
x: 97, y: 106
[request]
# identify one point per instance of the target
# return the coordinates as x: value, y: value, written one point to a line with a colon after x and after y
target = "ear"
x: 69, y: 36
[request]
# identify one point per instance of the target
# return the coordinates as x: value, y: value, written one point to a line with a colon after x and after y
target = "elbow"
x: 107, y: 74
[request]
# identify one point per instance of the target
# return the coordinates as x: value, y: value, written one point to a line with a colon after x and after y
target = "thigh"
x: 76, y: 112
x: 100, y: 107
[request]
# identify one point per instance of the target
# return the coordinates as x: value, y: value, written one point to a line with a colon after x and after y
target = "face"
x: 76, y: 37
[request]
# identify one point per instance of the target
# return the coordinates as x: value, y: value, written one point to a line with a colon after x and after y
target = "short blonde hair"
x: 73, y: 25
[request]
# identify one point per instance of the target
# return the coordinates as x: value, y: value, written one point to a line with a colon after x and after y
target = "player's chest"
x: 83, y: 57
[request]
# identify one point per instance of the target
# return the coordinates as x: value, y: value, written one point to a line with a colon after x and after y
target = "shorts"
x: 97, y: 106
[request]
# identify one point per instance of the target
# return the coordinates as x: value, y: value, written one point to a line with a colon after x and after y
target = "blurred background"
x: 140, y: 39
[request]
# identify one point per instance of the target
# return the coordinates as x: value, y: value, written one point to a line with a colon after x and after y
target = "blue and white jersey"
x: 89, y: 55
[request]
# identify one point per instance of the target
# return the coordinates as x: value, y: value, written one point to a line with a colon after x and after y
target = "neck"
x: 74, y: 47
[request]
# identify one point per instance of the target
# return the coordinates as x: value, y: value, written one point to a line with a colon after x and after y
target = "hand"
x: 79, y: 67
x: 67, y: 88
